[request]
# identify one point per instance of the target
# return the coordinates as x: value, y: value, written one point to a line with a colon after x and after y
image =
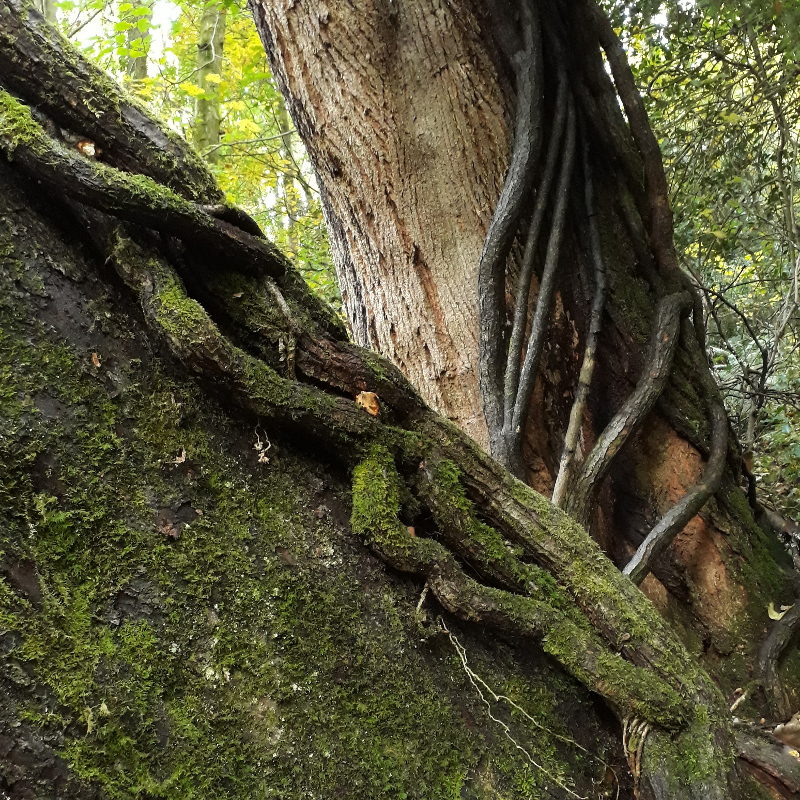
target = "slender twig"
x: 595, y: 323
x: 246, y: 141
x: 79, y: 26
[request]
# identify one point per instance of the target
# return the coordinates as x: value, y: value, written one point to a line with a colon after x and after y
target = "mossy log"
x: 187, y: 608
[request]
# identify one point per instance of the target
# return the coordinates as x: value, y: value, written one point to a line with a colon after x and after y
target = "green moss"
x: 17, y: 126
x: 183, y: 318
x: 376, y: 501
x: 689, y: 759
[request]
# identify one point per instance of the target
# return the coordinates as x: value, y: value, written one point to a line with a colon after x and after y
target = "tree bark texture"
x: 187, y: 604
x: 210, y: 51
x: 407, y: 109
x: 407, y: 125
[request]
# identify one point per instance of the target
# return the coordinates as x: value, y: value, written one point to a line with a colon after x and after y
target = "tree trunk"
x: 412, y: 142
x: 138, y: 41
x: 210, y: 48
x: 409, y: 142
x: 47, y: 8
x: 191, y: 476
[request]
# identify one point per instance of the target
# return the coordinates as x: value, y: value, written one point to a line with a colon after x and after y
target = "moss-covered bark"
x: 186, y: 605
x: 180, y: 620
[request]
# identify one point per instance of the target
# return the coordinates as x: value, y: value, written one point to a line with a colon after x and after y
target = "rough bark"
x: 185, y: 611
x: 409, y: 112
x: 406, y: 123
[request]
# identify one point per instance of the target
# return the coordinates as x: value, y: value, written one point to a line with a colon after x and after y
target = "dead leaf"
x: 411, y: 530
x: 369, y: 402
x: 87, y: 147
x: 774, y: 614
x: 96, y: 360
x: 179, y: 459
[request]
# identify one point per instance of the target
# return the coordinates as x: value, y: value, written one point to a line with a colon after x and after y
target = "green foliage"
x: 258, y: 161
x: 720, y: 83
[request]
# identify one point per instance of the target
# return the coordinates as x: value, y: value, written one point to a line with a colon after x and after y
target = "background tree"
x: 722, y: 94
x: 210, y: 52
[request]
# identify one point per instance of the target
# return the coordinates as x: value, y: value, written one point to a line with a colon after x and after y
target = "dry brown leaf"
x: 96, y: 360
x: 369, y: 402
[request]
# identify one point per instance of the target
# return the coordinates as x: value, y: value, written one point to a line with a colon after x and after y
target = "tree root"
x: 136, y: 199
x: 590, y: 351
x: 661, y: 221
x: 676, y: 519
x: 376, y: 506
x: 781, y: 633
x: 514, y: 359
x: 771, y: 756
x: 544, y: 302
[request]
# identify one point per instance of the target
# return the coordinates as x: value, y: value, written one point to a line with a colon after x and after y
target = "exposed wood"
x: 676, y: 519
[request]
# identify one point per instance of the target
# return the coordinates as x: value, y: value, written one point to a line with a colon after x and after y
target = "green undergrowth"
x: 197, y: 624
